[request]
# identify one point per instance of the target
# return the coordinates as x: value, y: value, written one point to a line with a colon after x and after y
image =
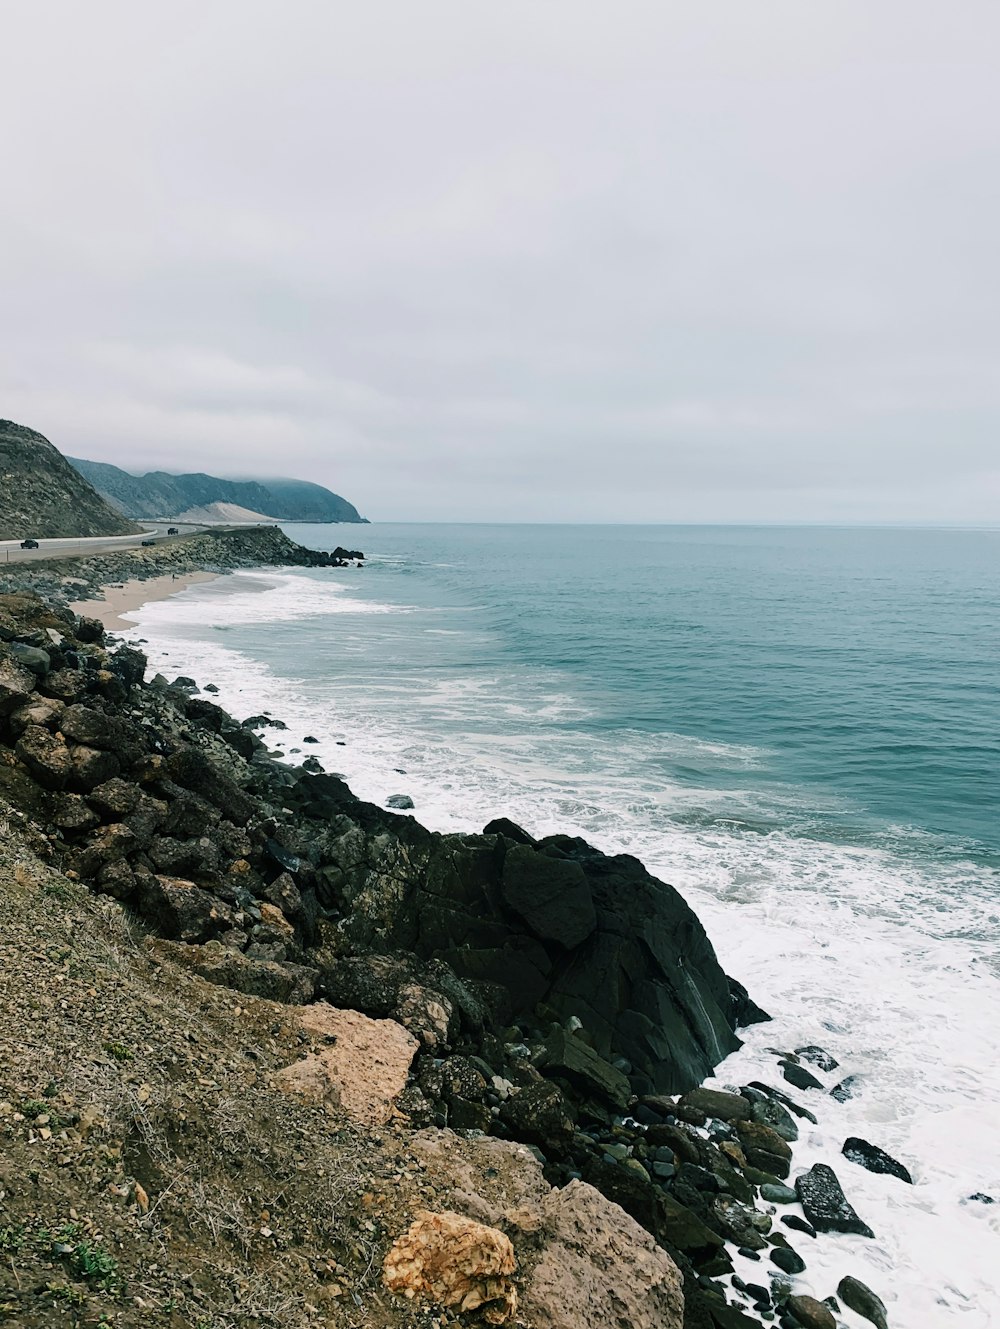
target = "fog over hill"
x: 160, y: 494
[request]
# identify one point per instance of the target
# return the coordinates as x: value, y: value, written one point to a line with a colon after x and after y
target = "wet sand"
x: 119, y: 600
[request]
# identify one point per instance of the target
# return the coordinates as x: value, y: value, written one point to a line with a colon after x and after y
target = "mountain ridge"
x: 162, y: 494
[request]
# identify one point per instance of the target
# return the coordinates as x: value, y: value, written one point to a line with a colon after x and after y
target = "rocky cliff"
x: 43, y: 496
x: 161, y: 495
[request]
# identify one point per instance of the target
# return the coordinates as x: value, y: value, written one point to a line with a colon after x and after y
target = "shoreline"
x: 141, y: 592
x: 123, y: 598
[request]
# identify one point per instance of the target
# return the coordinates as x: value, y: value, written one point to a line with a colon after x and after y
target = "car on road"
x: 172, y: 530
x: 29, y: 544
x: 147, y: 543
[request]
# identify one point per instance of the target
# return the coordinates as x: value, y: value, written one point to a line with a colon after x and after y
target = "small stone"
x: 799, y: 1076
x: 863, y: 1301
x: 778, y: 1194
x: 799, y: 1224
x: 810, y: 1313
x: 401, y: 802
x: 818, y: 1057
x: 787, y: 1260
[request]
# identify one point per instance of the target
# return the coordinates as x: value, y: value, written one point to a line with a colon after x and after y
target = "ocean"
x: 797, y: 727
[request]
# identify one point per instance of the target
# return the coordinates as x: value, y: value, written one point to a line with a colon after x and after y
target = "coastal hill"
x: 159, y: 494
x: 43, y: 496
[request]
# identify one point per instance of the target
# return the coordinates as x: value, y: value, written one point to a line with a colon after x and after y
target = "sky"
x: 555, y: 260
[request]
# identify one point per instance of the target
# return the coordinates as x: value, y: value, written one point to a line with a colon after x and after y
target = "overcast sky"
x: 554, y: 260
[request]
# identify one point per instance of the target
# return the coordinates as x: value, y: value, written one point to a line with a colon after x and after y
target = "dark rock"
x: 745, y: 1010
x: 89, y: 629
x: 402, y: 802
x: 848, y: 1088
x: 540, y: 1114
x: 46, y: 757
x: 292, y: 984
x: 713, y: 1103
x: 825, y: 1204
x: 770, y: 1112
x: 778, y: 1194
x: 260, y: 721
x: 31, y: 657
x: 677, y: 1139
x: 82, y: 724
x: 873, y: 1158
x: 70, y: 813
x: 91, y: 767
x: 16, y: 685
x: 568, y: 1057
x: 551, y: 895
x: 799, y: 1076
x: 736, y: 1221
x: 863, y: 1301
x: 66, y: 684
x: 770, y: 1092
x: 280, y: 855
x: 799, y: 1224
x: 509, y: 830
x: 981, y: 1198
x: 787, y: 1260
x: 181, y: 909
x: 818, y: 1057
x: 755, y: 1136
x: 810, y: 1313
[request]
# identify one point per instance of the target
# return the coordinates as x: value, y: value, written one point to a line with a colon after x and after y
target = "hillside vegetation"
x: 43, y: 496
x: 159, y: 494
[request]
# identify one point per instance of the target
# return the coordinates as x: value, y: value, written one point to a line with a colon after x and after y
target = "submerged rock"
x: 873, y: 1158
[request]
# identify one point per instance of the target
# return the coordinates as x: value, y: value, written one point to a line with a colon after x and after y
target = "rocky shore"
x: 64, y: 581
x: 487, y: 1049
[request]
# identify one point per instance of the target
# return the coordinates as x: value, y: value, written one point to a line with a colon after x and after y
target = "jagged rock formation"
x: 42, y: 496
x: 161, y: 495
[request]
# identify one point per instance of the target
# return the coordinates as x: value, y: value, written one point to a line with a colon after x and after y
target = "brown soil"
x: 151, y: 1174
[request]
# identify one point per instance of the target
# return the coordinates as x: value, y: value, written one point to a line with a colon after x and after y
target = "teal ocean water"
x: 798, y: 727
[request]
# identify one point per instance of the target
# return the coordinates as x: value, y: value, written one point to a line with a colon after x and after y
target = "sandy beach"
x: 120, y: 600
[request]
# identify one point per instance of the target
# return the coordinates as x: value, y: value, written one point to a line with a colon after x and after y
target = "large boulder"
x: 454, y: 1262
x: 825, y: 1204
x: 873, y: 1158
x: 600, y: 1269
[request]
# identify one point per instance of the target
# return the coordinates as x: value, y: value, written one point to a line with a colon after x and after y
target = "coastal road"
x: 76, y: 547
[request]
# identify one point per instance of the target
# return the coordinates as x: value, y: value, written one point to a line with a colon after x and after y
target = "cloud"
x: 563, y: 261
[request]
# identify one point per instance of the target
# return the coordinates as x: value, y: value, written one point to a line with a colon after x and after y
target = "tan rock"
x: 274, y: 918
x: 484, y: 1177
x: 600, y: 1270
x: 457, y: 1263
x: 363, y: 1069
